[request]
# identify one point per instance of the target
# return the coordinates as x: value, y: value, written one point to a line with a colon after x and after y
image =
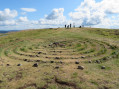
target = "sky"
x: 34, y: 14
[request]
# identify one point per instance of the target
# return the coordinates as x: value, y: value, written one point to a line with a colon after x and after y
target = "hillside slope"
x: 77, y: 58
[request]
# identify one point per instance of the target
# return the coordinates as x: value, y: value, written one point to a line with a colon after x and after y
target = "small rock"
x: 8, y: 64
x: 46, y: 57
x: 61, y: 62
x: 76, y: 62
x: 35, y: 65
x: 39, y: 52
x: 30, y: 55
x: 1, y: 81
x: 89, y: 61
x: 25, y: 59
x: 80, y: 67
x: 37, y: 56
x: 37, y: 60
x: 97, y: 61
x: 51, y: 61
x: 103, y: 67
x: 82, y: 56
x: 19, y: 64
x: 57, y: 67
x: 57, y: 58
x: 105, y: 58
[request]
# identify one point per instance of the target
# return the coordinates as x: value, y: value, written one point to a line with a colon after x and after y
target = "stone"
x: 57, y: 58
x: 37, y: 60
x: 61, y: 62
x: 51, y: 61
x: 80, y: 67
x: 25, y: 59
x: 97, y: 61
x: 8, y: 64
x: 1, y: 81
x: 76, y: 62
x: 19, y: 64
x: 82, y: 56
x: 103, y: 67
x: 57, y: 67
x: 105, y: 58
x: 35, y: 65
x: 46, y: 57
x: 37, y: 56
x: 31, y: 56
x: 90, y: 61
x: 39, y: 52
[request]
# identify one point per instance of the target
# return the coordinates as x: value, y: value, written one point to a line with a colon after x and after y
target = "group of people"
x: 70, y: 26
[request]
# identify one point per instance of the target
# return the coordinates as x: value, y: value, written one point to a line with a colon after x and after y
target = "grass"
x: 56, y: 63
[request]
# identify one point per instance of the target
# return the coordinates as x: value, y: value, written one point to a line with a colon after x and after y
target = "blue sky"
x: 29, y: 14
x: 43, y: 6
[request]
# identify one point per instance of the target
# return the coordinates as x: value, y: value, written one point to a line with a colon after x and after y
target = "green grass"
x: 81, y: 44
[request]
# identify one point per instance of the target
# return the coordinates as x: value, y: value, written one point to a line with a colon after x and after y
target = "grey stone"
x: 19, y: 64
x: 80, y: 67
x: 76, y: 62
x: 82, y: 56
x: 97, y: 61
x: 57, y: 67
x: 35, y: 65
x: 61, y: 62
x: 90, y: 61
x: 103, y: 67
x: 37, y: 60
x: 51, y: 61
x: 39, y: 52
x: 57, y: 57
x: 8, y: 64
x: 25, y: 59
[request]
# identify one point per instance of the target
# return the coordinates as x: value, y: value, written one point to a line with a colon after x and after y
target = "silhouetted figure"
x: 80, y: 27
x: 70, y: 25
x: 65, y: 26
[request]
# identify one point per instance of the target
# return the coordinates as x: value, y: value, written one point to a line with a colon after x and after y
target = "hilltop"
x: 59, y: 58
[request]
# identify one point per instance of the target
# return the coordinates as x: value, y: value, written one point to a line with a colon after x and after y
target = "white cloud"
x: 7, y: 14
x: 7, y: 23
x: 56, y: 17
x: 23, y: 19
x: 55, y: 14
x: 91, y: 12
x: 110, y: 6
x: 28, y: 9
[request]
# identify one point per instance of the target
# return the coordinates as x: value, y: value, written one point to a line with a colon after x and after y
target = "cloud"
x: 110, y: 6
x: 28, y: 9
x: 55, y: 14
x: 91, y: 12
x: 22, y: 19
x: 7, y: 14
x: 8, y: 23
x: 56, y: 17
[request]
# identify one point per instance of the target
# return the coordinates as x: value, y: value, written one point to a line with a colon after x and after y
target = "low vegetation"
x: 77, y: 58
